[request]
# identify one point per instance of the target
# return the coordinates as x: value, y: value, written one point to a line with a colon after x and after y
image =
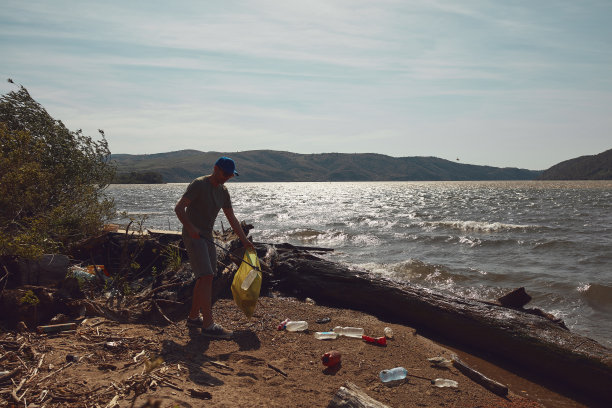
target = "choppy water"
x: 477, y: 239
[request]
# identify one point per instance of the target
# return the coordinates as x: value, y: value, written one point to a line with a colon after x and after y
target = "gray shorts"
x: 202, y: 256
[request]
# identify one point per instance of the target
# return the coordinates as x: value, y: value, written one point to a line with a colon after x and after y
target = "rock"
x: 47, y: 271
x: 515, y: 299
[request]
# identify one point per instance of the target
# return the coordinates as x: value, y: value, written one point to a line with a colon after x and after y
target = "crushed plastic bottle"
x: 440, y: 362
x: 443, y: 382
x: 388, y: 332
x: 331, y: 358
x: 329, y: 335
x: 355, y: 332
x: 394, y: 374
x: 248, y: 281
x: 379, y: 341
x: 299, y: 325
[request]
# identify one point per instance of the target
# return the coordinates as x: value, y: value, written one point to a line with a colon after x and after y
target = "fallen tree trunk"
x: 531, y: 341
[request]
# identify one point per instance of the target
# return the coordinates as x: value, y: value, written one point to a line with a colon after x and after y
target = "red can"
x: 331, y: 358
x: 380, y: 341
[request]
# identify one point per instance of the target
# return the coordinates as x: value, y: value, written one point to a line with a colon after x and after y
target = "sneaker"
x: 197, y: 322
x: 217, y: 331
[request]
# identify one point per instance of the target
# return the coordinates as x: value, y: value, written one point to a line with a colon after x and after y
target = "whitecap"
x: 481, y: 226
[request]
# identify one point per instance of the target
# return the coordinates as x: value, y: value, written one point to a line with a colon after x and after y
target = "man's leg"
x: 202, y: 300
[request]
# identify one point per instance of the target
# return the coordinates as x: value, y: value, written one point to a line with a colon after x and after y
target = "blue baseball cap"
x: 227, y: 165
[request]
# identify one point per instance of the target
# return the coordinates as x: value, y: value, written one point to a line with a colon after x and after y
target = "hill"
x: 594, y: 167
x: 270, y: 165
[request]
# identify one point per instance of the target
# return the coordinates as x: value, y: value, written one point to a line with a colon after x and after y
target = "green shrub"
x: 52, y: 180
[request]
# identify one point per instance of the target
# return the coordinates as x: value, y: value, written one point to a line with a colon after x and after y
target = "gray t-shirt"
x: 206, y: 201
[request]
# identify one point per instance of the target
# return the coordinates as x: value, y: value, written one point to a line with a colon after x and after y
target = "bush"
x: 51, y: 182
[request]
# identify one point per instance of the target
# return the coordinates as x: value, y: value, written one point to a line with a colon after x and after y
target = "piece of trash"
x: 92, y: 269
x: 379, y: 341
x: 282, y: 325
x: 331, y: 358
x: 329, y: 335
x: 248, y: 281
x: 112, y: 344
x: 299, y: 325
x: 355, y: 332
x: 81, y: 273
x: 440, y: 362
x: 310, y: 301
x: 443, y: 382
x: 55, y: 328
x: 393, y: 374
x: 388, y: 332
x: 323, y: 320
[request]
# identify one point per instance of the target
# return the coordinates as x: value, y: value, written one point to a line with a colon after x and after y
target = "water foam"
x: 480, y: 226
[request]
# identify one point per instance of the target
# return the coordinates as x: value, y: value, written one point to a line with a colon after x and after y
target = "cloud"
x: 317, y: 76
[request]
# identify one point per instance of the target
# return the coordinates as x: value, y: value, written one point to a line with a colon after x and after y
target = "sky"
x: 522, y: 84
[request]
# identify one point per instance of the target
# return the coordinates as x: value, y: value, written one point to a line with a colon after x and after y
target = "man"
x: 197, y: 210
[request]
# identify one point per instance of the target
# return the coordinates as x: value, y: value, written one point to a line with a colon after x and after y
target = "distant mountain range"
x: 595, y: 167
x: 271, y: 165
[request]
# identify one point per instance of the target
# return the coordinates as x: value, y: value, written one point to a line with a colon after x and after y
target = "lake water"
x: 475, y: 239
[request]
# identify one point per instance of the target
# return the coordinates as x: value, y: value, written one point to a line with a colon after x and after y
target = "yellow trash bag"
x: 247, y: 283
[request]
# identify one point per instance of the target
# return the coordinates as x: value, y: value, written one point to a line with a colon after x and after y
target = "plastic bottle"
x: 331, y: 358
x: 388, y: 332
x: 443, y: 382
x: 248, y: 281
x: 394, y: 374
x: 355, y: 332
x: 281, y: 325
x: 380, y: 341
x: 329, y: 335
x: 81, y: 273
x: 299, y: 325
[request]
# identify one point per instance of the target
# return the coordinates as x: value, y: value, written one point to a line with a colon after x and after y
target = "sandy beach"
x: 151, y: 365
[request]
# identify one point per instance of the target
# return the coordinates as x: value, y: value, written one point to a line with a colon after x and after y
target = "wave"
x: 470, y: 241
x: 480, y: 226
x: 596, y: 295
x: 416, y: 271
x: 312, y: 236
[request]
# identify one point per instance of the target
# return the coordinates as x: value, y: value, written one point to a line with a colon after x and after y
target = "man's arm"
x: 235, y: 224
x: 181, y: 212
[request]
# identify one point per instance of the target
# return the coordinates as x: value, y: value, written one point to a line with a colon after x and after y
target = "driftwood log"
x: 489, y: 384
x: 351, y: 396
x: 532, y: 342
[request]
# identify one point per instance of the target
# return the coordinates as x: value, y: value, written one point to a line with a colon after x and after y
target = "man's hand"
x: 248, y: 245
